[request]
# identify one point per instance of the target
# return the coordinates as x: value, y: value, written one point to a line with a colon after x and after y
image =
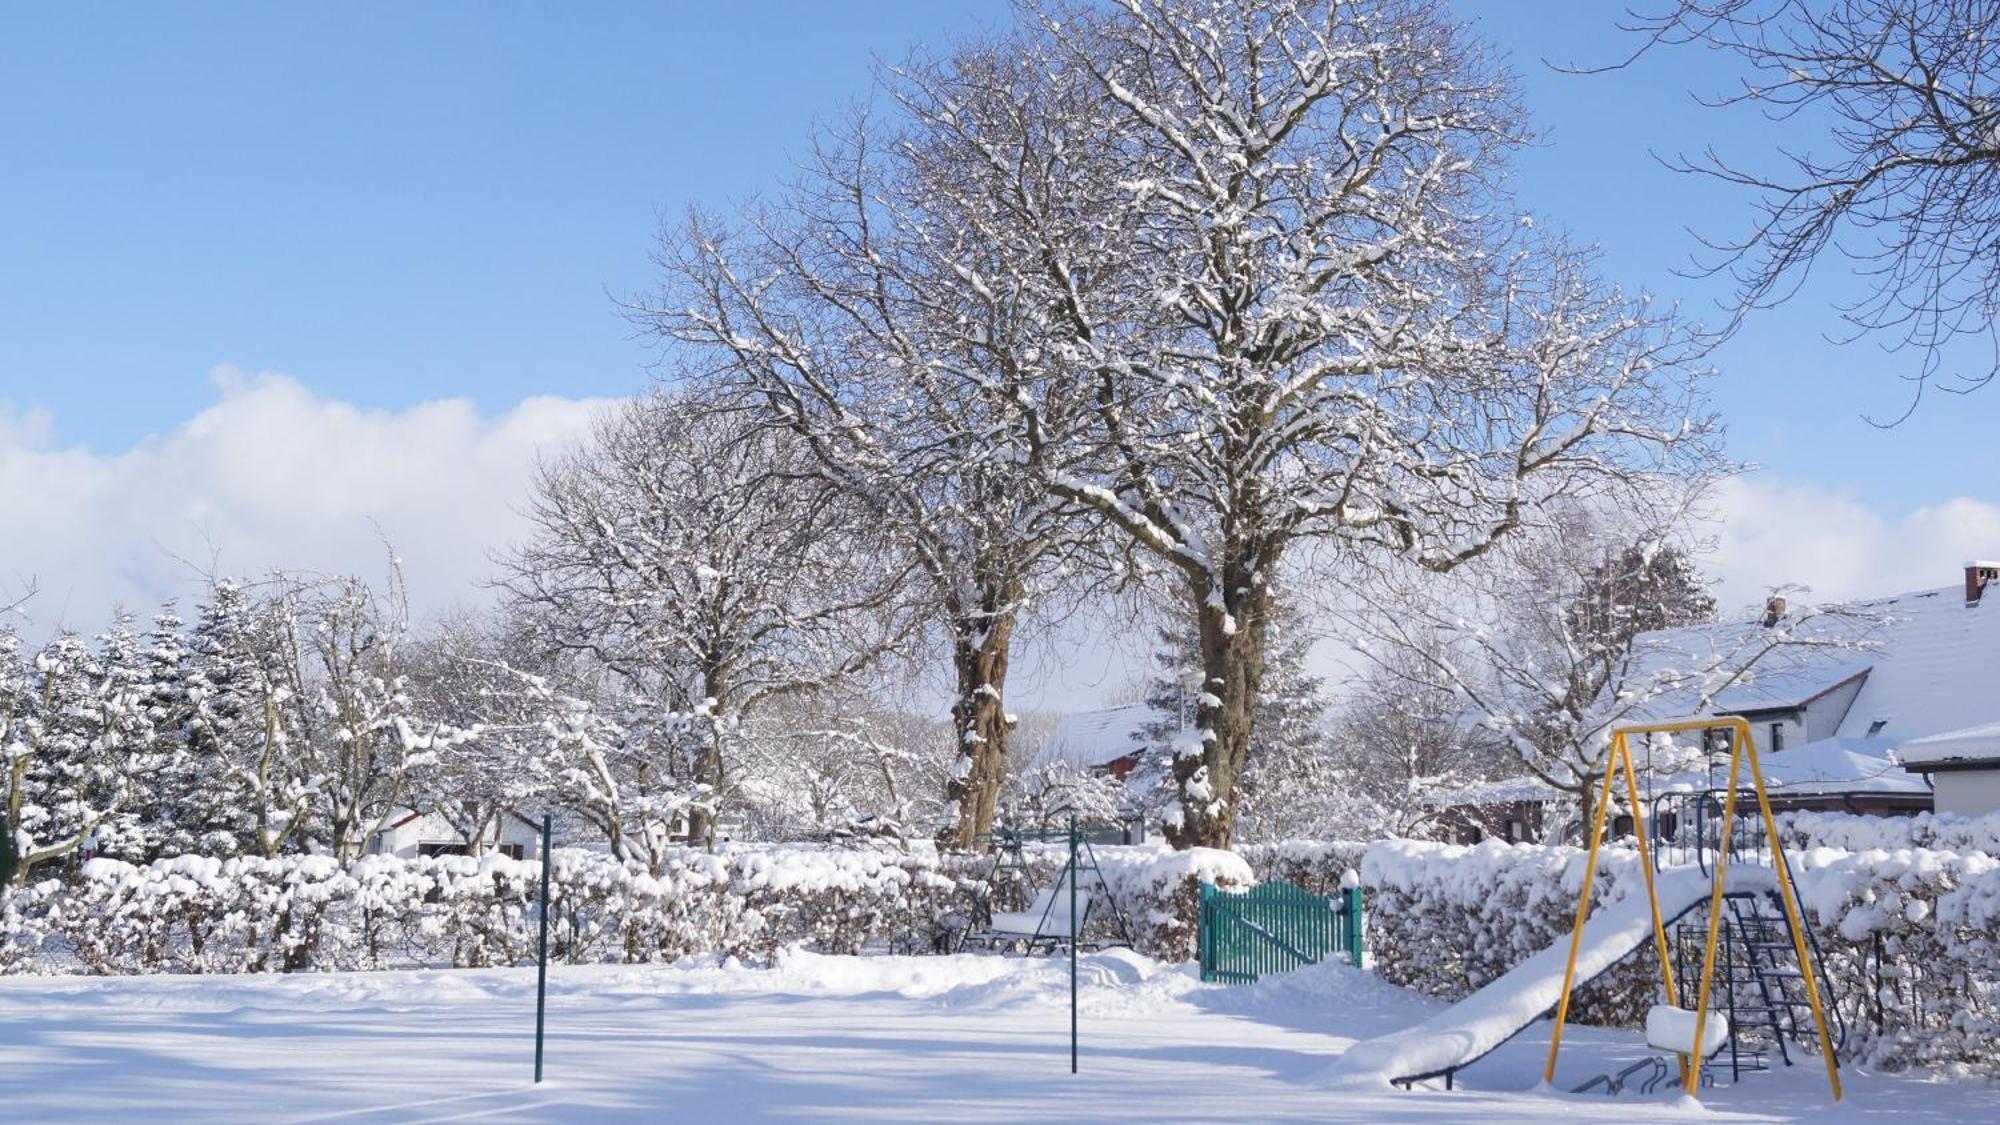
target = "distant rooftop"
x: 1088, y: 739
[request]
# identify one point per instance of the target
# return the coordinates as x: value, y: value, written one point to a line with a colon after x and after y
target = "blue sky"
x: 391, y: 202
x: 397, y: 204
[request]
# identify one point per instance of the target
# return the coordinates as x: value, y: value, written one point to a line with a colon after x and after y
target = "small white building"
x: 1963, y: 767
x: 409, y: 834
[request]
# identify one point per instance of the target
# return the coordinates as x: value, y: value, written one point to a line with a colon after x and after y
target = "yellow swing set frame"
x: 1619, y: 763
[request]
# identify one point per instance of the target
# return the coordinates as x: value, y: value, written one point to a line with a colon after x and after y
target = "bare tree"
x: 845, y: 762
x: 339, y: 708
x: 1575, y: 628
x: 1905, y: 182
x: 1404, y: 743
x: 1277, y: 296
x: 693, y: 557
x: 826, y: 312
x: 463, y: 672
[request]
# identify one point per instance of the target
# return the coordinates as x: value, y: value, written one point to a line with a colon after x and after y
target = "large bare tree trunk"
x: 980, y: 723
x: 1231, y: 625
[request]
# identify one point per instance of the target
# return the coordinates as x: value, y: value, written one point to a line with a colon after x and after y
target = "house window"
x: 1622, y: 826
x: 428, y: 850
x: 1512, y: 830
x: 514, y: 851
x: 1777, y: 737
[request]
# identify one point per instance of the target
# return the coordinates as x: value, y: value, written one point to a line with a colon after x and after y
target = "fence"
x: 1274, y: 928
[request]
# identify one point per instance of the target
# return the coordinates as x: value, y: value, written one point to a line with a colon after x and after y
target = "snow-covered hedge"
x: 1910, y: 935
x: 1316, y: 865
x: 1852, y: 833
x: 311, y: 913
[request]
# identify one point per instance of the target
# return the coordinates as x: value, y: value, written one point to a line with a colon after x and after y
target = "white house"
x: 1874, y: 728
x: 409, y: 834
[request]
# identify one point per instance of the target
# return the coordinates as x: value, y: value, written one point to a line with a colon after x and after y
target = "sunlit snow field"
x: 964, y: 1038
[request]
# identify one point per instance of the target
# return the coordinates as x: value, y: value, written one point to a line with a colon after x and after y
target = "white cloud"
x: 271, y: 475
x: 1773, y: 532
x: 275, y: 475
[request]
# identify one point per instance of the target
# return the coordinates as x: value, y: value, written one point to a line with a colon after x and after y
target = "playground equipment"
x: 1749, y: 883
x: 1058, y: 915
x: 1753, y: 919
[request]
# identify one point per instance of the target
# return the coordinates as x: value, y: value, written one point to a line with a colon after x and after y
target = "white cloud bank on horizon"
x: 1776, y: 532
x: 271, y: 475
x: 275, y: 475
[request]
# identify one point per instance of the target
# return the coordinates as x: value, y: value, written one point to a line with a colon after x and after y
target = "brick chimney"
x: 1977, y: 575
x: 1774, y: 610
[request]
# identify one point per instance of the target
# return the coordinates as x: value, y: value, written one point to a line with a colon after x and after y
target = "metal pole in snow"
x: 542, y: 948
x: 1072, y: 943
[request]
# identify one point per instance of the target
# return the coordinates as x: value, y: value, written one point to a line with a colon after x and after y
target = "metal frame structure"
x: 1619, y: 763
x: 1008, y: 855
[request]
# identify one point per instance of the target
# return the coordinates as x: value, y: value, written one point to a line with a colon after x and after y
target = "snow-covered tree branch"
x: 1279, y: 296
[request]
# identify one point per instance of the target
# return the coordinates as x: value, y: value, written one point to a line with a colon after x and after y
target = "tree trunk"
x: 979, y: 721
x: 708, y: 769
x: 1231, y: 625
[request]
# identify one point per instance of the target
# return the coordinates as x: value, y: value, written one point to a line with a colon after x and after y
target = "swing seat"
x: 1672, y: 1029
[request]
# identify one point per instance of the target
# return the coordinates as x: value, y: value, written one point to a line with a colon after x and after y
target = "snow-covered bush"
x: 1316, y: 865
x: 1848, y: 832
x: 1909, y: 934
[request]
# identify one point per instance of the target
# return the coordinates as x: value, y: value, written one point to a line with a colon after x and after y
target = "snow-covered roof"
x: 1978, y: 744
x: 1839, y: 765
x: 1934, y: 670
x: 1089, y: 739
x: 1502, y: 792
x: 1783, y: 680
x: 1818, y: 656
x: 1927, y: 659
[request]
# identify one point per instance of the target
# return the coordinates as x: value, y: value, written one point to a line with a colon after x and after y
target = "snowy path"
x: 962, y: 1039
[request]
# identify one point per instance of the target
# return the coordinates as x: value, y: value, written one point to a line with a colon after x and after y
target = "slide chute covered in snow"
x: 1465, y: 1032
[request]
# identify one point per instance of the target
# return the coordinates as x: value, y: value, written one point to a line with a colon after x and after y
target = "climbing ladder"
x: 1758, y: 979
x: 1759, y: 985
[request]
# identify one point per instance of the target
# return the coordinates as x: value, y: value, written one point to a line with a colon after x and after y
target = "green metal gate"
x: 1273, y: 928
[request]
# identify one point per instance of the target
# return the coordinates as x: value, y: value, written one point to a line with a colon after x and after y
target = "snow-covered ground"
x: 963, y: 1038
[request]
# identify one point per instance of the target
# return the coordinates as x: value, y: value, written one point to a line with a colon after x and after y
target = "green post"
x: 1073, y: 935
x: 1351, y: 918
x: 542, y: 948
